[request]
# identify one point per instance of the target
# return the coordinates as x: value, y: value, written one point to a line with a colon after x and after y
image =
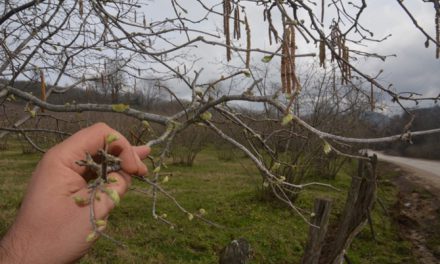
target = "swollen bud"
x: 206, y: 116
x: 80, y: 201
x: 101, y: 223
x: 327, y: 148
x: 190, y: 216
x: 92, y: 237
x: 120, y: 107
x: 111, y: 138
x: 112, y: 179
x: 114, y: 195
x: 286, y: 119
x: 156, y: 170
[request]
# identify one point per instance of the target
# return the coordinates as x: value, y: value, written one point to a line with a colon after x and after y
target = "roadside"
x: 417, y: 212
x: 421, y: 171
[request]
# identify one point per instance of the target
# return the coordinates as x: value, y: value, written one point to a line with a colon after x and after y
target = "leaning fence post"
x: 317, y: 231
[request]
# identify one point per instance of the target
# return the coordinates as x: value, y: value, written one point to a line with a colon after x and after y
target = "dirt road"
x: 418, y: 214
x: 427, y: 171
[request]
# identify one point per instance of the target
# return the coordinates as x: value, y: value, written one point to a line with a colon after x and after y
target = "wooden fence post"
x: 317, y: 231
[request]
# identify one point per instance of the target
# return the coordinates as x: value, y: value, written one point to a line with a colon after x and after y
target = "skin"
x: 50, y: 227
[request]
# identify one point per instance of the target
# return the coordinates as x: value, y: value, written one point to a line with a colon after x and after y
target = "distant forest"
x: 428, y: 146
x: 371, y: 124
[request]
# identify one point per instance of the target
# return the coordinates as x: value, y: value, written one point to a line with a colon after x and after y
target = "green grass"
x: 228, y: 191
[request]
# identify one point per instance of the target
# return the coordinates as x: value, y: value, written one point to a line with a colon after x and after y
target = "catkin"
x: 248, y: 42
x: 237, y: 27
x: 322, y: 52
x: 437, y: 33
x: 283, y: 67
x: 226, y: 30
x: 345, y: 70
x: 347, y: 67
x: 43, y: 88
x: 334, y: 40
x: 292, y: 56
x: 288, y: 78
x: 81, y: 7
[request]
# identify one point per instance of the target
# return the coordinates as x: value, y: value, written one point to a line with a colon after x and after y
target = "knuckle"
x: 101, y: 126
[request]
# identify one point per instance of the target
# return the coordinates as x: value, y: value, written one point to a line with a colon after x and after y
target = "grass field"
x: 229, y: 192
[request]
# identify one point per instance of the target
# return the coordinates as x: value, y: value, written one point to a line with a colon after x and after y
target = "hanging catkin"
x: 346, y: 59
x: 283, y: 67
x: 237, y: 27
x: 292, y: 56
x: 43, y: 88
x: 269, y: 31
x: 288, y: 77
x: 144, y: 22
x: 345, y: 68
x: 322, y: 11
x: 333, y: 41
x: 322, y: 52
x: 226, y: 30
x: 372, y: 98
x: 437, y: 32
x: 248, y: 42
x: 235, y: 24
x: 81, y: 7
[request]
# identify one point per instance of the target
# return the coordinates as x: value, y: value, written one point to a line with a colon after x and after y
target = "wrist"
x: 6, y: 256
x: 10, y: 248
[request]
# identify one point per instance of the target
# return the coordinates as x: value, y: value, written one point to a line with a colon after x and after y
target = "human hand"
x: 50, y: 227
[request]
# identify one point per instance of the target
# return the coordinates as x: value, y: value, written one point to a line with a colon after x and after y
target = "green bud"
x: 190, y: 216
x: 267, y: 59
x: 101, y: 223
x: 206, y: 116
x: 120, y: 107
x: 156, y: 170
x: 247, y: 74
x: 92, y: 237
x: 327, y: 148
x: 111, y: 138
x: 276, y: 166
x: 80, y: 201
x: 146, y: 124
x: 112, y: 179
x: 114, y: 195
x: 287, y: 119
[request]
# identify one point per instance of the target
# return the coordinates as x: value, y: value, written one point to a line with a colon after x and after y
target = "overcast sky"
x: 414, y: 69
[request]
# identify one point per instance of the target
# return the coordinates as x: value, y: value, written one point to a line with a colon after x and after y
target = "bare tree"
x: 69, y: 42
